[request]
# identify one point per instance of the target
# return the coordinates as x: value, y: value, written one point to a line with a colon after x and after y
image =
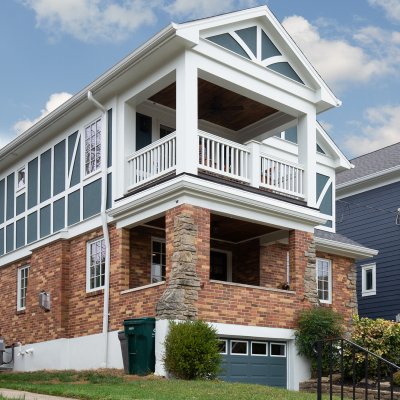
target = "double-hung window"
x: 95, y: 264
x: 93, y: 147
x: 22, y: 285
x: 324, y: 280
x: 158, y: 260
x: 368, y: 277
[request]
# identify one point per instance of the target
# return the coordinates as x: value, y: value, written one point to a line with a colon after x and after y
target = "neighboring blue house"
x: 368, y: 211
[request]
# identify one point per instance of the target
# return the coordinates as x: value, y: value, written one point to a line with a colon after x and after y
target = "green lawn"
x: 98, y: 385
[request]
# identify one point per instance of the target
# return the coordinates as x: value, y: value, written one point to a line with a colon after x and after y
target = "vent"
x: 44, y: 301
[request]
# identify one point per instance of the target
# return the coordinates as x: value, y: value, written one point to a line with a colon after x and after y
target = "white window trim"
x: 279, y: 344
x: 159, y: 240
x: 364, y: 269
x: 226, y: 345
x: 329, y: 301
x: 25, y: 267
x: 83, y: 150
x: 239, y: 354
x: 88, y: 244
x: 22, y: 188
x: 229, y: 261
x: 259, y: 355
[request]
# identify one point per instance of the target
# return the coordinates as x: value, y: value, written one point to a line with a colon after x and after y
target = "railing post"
x: 254, y: 163
x: 319, y: 370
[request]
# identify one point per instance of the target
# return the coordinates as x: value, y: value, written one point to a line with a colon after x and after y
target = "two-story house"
x: 186, y: 182
x: 368, y: 210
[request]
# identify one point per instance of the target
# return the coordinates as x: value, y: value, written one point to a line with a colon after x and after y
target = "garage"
x: 254, y: 361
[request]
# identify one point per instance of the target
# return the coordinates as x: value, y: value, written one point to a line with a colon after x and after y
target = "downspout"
x: 103, y: 213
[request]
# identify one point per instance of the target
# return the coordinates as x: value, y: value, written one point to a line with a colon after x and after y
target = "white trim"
x: 137, y: 289
x: 279, y: 344
x: 97, y: 169
x: 161, y: 241
x: 259, y: 355
x: 226, y: 346
x: 239, y: 341
x: 19, y: 286
x: 88, y: 265
x: 19, y: 190
x: 364, y: 268
x: 329, y: 262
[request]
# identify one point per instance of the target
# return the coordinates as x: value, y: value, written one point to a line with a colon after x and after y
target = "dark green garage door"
x: 254, y: 361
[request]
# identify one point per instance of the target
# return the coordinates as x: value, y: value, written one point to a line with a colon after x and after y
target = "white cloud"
x: 338, y: 61
x: 203, y: 8
x: 54, y: 101
x: 391, y: 7
x: 93, y: 20
x: 381, y: 129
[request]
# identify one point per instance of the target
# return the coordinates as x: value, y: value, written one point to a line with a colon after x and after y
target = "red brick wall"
x: 273, y: 265
x: 140, y: 260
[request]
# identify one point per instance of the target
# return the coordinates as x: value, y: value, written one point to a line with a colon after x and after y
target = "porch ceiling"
x: 228, y: 229
x: 234, y: 230
x: 219, y: 105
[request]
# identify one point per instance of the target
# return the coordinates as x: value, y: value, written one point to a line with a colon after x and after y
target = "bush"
x: 191, y: 350
x: 379, y: 336
x: 318, y: 323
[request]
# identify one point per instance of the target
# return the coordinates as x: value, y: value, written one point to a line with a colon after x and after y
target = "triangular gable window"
x: 244, y: 42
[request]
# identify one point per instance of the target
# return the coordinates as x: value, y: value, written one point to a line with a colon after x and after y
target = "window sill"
x: 370, y: 293
x: 94, y: 293
x: 20, y: 312
x: 267, y: 289
x: 151, y: 285
x: 92, y: 174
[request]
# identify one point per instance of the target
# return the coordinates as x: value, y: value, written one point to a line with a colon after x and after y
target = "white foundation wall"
x: 85, y: 352
x: 298, y: 368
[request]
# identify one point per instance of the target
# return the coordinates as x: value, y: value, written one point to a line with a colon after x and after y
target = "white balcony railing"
x: 152, y: 161
x: 281, y: 176
x: 223, y: 157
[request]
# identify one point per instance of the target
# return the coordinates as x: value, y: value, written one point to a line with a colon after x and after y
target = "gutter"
x: 344, y: 249
x: 103, y: 214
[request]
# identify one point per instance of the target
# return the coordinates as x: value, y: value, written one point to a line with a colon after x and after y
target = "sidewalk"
x: 18, y: 394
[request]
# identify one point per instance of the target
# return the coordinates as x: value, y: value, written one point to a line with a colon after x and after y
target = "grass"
x: 99, y: 385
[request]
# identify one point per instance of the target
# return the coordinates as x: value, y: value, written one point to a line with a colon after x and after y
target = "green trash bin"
x: 140, y: 334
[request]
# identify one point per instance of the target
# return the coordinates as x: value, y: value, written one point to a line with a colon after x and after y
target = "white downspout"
x: 104, y: 136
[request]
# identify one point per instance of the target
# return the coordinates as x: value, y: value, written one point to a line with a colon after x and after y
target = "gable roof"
x: 372, y: 164
x: 190, y: 31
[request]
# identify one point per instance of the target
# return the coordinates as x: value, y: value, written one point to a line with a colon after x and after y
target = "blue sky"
x: 51, y: 49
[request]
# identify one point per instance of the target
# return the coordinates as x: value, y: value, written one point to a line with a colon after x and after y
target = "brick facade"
x: 60, y: 269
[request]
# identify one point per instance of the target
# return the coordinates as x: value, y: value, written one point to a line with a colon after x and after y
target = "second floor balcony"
x: 250, y: 164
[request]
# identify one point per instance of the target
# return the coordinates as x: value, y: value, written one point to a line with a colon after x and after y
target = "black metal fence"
x: 355, y: 368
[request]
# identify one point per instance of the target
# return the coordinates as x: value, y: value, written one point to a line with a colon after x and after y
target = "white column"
x: 187, y: 148
x: 306, y: 137
x: 254, y: 163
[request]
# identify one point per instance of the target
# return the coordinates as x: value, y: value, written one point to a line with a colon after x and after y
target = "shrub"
x: 379, y: 336
x: 318, y: 323
x: 191, y: 350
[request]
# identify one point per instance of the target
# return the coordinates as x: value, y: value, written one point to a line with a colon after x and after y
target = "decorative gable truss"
x: 255, y: 45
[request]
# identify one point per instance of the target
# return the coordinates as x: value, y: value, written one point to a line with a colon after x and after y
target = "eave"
x: 344, y: 249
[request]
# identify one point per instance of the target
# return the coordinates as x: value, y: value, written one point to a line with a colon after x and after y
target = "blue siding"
x: 370, y: 219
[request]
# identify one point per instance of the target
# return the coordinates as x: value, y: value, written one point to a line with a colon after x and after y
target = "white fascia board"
x: 368, y: 182
x: 344, y: 249
x: 66, y: 234
x: 217, y: 197
x: 81, y: 97
x: 342, y: 161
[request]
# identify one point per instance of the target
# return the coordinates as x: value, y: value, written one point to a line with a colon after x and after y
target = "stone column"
x: 179, y: 301
x: 302, y: 265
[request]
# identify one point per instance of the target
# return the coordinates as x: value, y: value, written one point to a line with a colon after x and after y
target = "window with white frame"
x: 22, y: 285
x: 93, y: 147
x: 368, y: 280
x: 324, y: 280
x: 158, y: 260
x: 21, y: 178
x: 95, y: 264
